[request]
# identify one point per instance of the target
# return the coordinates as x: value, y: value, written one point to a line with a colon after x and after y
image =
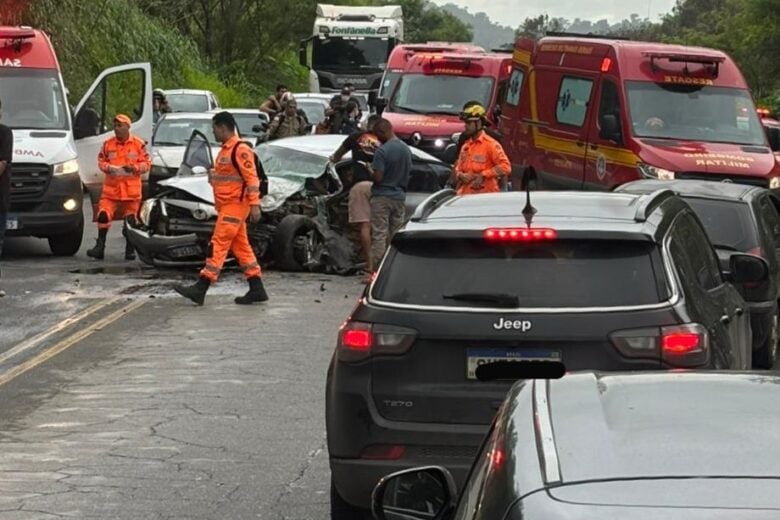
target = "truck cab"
x: 350, y: 44
x: 55, y: 149
x: 428, y: 98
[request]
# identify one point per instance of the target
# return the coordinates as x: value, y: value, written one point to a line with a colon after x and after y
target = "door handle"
x: 594, y: 147
x: 580, y: 143
x: 725, y: 319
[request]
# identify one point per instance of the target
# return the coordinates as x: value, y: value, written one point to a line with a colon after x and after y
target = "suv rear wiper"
x: 501, y: 299
x: 725, y: 247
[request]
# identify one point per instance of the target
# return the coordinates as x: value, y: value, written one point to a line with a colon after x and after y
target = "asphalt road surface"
x: 123, y: 400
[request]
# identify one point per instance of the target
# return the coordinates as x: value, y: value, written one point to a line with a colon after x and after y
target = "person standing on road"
x: 363, y: 146
x: 236, y: 196
x: 123, y: 159
x: 289, y: 123
x: 391, y: 168
x: 482, y: 163
x: 6, y: 157
x: 161, y: 105
x: 273, y: 105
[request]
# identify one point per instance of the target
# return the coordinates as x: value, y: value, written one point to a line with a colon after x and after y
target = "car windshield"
x: 246, y: 123
x: 285, y: 162
x: 425, y: 93
x: 564, y: 273
x: 727, y: 223
x: 693, y: 112
x: 340, y: 54
x: 188, y: 102
x: 388, y: 84
x: 177, y: 132
x: 315, y: 110
x: 33, y: 99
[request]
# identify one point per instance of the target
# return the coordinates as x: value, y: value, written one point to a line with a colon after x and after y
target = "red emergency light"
x: 702, y: 58
x: 519, y: 234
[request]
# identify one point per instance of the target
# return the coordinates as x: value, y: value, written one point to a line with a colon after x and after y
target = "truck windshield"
x: 340, y: 54
x: 693, y: 113
x: 32, y: 99
x: 389, y: 81
x: 422, y: 93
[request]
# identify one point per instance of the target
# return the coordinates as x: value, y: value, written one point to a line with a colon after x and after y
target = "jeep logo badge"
x: 521, y: 325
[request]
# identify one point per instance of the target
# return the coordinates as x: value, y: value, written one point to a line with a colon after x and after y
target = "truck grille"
x: 719, y: 177
x: 29, y: 181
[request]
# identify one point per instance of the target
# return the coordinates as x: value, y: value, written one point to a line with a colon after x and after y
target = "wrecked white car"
x: 305, y: 217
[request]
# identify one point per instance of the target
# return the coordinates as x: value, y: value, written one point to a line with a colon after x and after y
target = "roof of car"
x: 570, y: 210
x: 324, y: 145
x: 660, y: 424
x: 694, y: 188
x: 187, y: 115
x: 187, y: 91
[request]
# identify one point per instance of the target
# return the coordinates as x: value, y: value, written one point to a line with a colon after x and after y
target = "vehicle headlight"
x: 146, y: 211
x: 653, y: 172
x: 774, y: 183
x: 439, y: 143
x: 67, y: 167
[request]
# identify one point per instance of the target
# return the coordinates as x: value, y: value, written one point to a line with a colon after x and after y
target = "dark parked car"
x: 738, y: 218
x: 601, y: 281
x: 598, y: 446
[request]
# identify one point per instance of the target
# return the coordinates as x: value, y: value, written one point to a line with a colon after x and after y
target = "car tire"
x: 67, y: 244
x: 766, y: 356
x: 340, y: 509
x: 293, y: 239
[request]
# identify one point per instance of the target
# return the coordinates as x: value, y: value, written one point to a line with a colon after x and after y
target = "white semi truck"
x: 351, y: 44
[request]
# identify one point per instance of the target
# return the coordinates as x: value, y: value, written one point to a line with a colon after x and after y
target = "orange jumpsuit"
x: 121, y: 194
x: 235, y: 191
x: 482, y: 156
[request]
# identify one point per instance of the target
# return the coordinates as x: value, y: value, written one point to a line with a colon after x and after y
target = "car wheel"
x: 340, y: 509
x: 297, y: 244
x: 69, y: 243
x: 766, y: 356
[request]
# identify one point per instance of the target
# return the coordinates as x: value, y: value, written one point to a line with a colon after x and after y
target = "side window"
x: 573, y: 98
x: 503, y: 87
x: 703, y: 268
x: 772, y: 219
x: 609, y: 111
x: 118, y: 93
x: 473, y: 489
x: 515, y: 86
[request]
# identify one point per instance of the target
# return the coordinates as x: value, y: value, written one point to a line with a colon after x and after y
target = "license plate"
x: 186, y: 251
x: 11, y: 223
x: 481, y: 356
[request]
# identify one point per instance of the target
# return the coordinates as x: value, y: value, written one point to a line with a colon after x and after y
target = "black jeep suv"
x: 601, y: 281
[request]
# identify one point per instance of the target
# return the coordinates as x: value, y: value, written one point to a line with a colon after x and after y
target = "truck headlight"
x: 146, y: 211
x: 67, y: 167
x: 652, y: 172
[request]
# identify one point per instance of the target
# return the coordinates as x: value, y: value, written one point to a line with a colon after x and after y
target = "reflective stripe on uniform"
x: 232, y: 220
x: 216, y: 177
x: 249, y: 266
x: 211, y: 268
x: 253, y: 189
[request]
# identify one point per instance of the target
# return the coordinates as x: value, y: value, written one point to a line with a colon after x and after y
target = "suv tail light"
x: 359, y: 341
x: 681, y: 346
x: 519, y: 234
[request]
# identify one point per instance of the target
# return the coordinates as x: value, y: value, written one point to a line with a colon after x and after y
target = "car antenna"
x: 528, y: 211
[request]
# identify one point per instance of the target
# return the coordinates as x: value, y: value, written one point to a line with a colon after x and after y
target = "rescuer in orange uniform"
x: 123, y: 159
x: 482, y: 161
x: 236, y: 196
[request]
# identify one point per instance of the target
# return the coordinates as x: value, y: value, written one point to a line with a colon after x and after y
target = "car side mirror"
x: 610, y: 128
x: 303, y: 55
x: 497, y: 112
x: 372, y: 98
x: 262, y: 127
x: 199, y: 170
x: 456, y: 137
x: 749, y: 269
x: 381, y: 104
x: 425, y: 493
x: 450, y: 155
x: 773, y: 135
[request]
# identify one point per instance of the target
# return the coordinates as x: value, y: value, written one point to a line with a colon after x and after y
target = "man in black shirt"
x: 6, y: 156
x: 362, y: 145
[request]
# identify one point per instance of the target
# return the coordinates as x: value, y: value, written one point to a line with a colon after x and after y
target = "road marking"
x: 67, y: 322
x: 69, y: 341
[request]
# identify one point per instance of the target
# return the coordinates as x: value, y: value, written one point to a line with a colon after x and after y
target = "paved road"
x: 122, y: 400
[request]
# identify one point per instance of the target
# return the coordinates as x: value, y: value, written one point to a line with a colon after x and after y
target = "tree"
x: 424, y: 21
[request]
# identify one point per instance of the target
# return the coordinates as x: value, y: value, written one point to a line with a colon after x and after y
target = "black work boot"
x: 99, y: 250
x: 195, y: 292
x: 129, y: 250
x: 256, y: 293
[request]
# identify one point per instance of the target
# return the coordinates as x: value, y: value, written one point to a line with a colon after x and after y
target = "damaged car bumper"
x: 166, y: 251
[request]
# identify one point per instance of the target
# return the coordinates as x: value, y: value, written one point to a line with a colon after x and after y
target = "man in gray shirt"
x: 391, y: 167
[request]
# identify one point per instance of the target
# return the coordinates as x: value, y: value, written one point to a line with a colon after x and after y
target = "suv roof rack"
x: 427, y: 206
x: 588, y: 35
x: 650, y: 202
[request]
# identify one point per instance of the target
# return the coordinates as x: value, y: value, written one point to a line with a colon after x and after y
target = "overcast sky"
x: 513, y: 12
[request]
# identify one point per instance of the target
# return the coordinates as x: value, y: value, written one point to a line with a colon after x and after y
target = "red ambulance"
x: 55, y: 146
x: 590, y: 113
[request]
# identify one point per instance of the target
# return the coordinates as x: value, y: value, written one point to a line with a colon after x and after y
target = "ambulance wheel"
x: 297, y: 244
x: 67, y: 244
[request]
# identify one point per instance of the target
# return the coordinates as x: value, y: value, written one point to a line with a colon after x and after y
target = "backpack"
x: 258, y: 168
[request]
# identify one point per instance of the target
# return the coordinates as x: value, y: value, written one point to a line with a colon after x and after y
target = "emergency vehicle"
x: 401, y: 55
x: 55, y: 152
x: 591, y: 113
x: 350, y: 44
x: 772, y: 128
x: 425, y: 105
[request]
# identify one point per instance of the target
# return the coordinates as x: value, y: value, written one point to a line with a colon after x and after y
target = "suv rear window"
x: 727, y: 223
x: 564, y: 273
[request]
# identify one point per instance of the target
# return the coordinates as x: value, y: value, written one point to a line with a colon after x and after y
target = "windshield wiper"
x: 411, y: 110
x: 725, y: 247
x: 166, y: 143
x: 500, y: 299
